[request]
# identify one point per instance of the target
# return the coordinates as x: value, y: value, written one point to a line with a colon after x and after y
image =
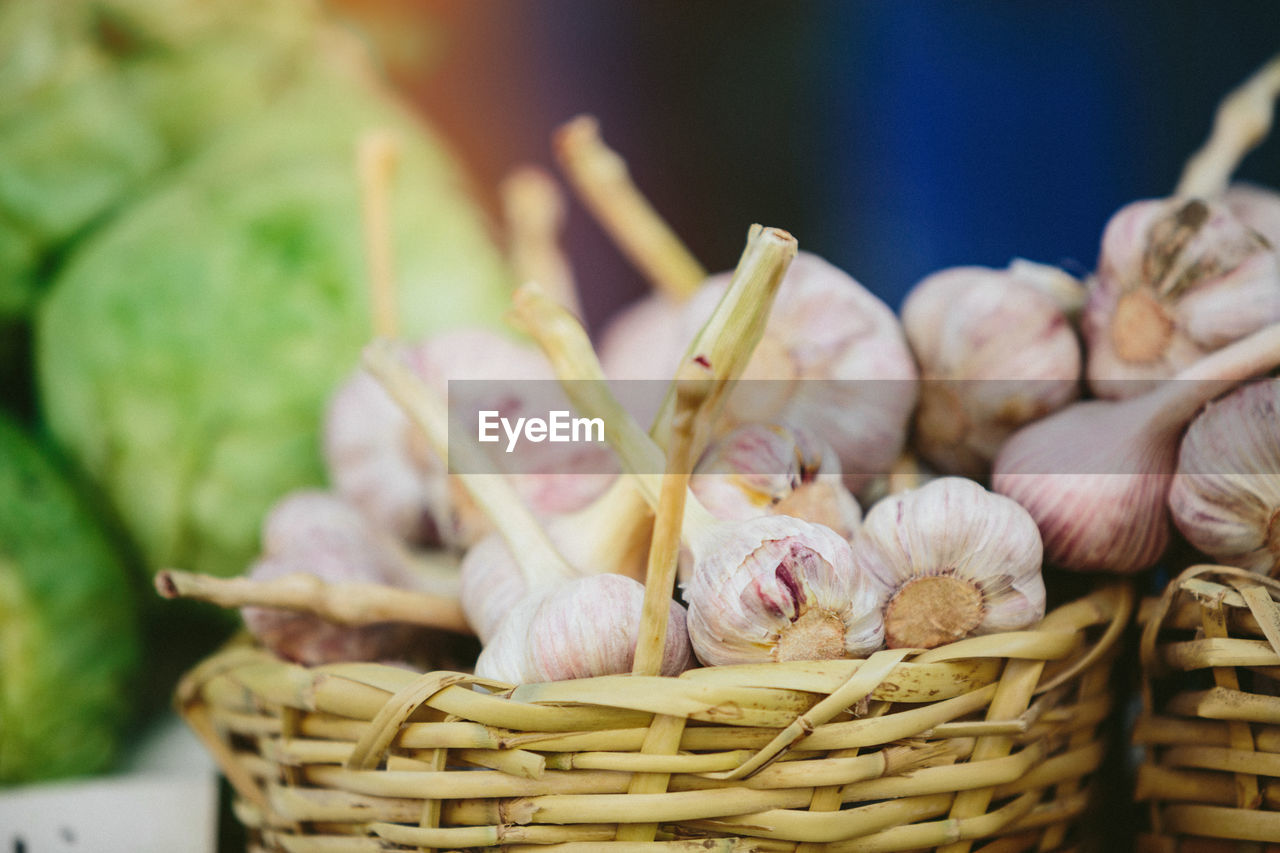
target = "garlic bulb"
x: 762, y: 589
x: 382, y: 465
x: 1177, y: 279
x: 777, y: 588
x: 1096, y: 475
x: 954, y: 561
x: 766, y: 469
x: 323, y: 535
x: 1257, y: 207
x: 995, y: 351
x: 609, y: 535
x: 1226, y: 496
x: 581, y: 629
x: 826, y: 326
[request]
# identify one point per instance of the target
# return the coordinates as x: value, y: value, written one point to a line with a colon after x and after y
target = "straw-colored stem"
x: 720, y: 354
x: 539, y: 561
x: 601, y: 179
x: 726, y: 342
x: 1243, y: 120
x: 341, y: 603
x: 565, y: 343
x: 664, y: 551
x: 376, y: 157
x: 534, y: 209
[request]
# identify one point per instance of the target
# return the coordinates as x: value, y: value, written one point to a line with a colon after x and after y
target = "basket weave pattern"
x: 987, y: 738
x: 1210, y: 724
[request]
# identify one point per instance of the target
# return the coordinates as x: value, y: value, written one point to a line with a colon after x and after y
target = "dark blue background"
x: 894, y: 138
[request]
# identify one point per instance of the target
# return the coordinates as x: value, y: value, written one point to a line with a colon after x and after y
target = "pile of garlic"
x: 1049, y: 414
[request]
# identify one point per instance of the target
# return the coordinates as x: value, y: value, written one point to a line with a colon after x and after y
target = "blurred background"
x: 894, y: 139
x: 182, y: 281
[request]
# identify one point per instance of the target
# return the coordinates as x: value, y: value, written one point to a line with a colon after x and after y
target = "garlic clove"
x: 585, y: 628
x: 767, y: 469
x: 1225, y: 497
x: 953, y: 560
x: 996, y: 351
x: 778, y: 588
x: 1177, y: 278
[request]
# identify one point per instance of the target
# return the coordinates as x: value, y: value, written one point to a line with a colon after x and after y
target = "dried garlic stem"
x: 722, y: 350
x: 1242, y: 121
x: 535, y: 209
x: 352, y: 604
x: 376, y: 158
x: 601, y: 179
x: 538, y: 558
x: 664, y: 552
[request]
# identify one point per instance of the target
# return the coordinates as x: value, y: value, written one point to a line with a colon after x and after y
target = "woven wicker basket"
x: 1210, y: 722
x: 987, y: 738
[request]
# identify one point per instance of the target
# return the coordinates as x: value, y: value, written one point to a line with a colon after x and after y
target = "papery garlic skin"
x: 778, y: 588
x: 824, y: 326
x: 383, y: 465
x: 1226, y: 494
x: 1257, y: 207
x: 979, y: 552
x: 581, y: 629
x: 995, y: 351
x: 827, y: 326
x: 1177, y: 279
x: 1095, y: 483
x: 768, y: 469
x: 321, y: 534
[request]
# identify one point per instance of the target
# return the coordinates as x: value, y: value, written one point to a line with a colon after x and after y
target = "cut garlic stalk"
x: 771, y: 588
x: 1226, y: 495
x: 537, y: 560
x: 995, y: 352
x: 534, y: 210
x: 1095, y: 476
x: 602, y: 181
x: 958, y: 561
x: 312, y: 540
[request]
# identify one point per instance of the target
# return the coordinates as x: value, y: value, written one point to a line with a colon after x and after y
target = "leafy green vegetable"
x: 68, y: 635
x: 187, y: 350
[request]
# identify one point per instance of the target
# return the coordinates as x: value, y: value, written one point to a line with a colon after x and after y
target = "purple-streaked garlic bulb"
x: 1177, y: 279
x: 777, y: 588
x: 581, y: 629
x: 996, y: 351
x: 1226, y: 495
x: 381, y: 464
x: 826, y: 326
x: 322, y: 534
x: 767, y: 469
x: 953, y: 561
x: 1096, y: 475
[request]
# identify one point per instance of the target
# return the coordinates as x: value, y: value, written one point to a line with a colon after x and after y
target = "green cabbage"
x: 68, y: 635
x: 185, y: 353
